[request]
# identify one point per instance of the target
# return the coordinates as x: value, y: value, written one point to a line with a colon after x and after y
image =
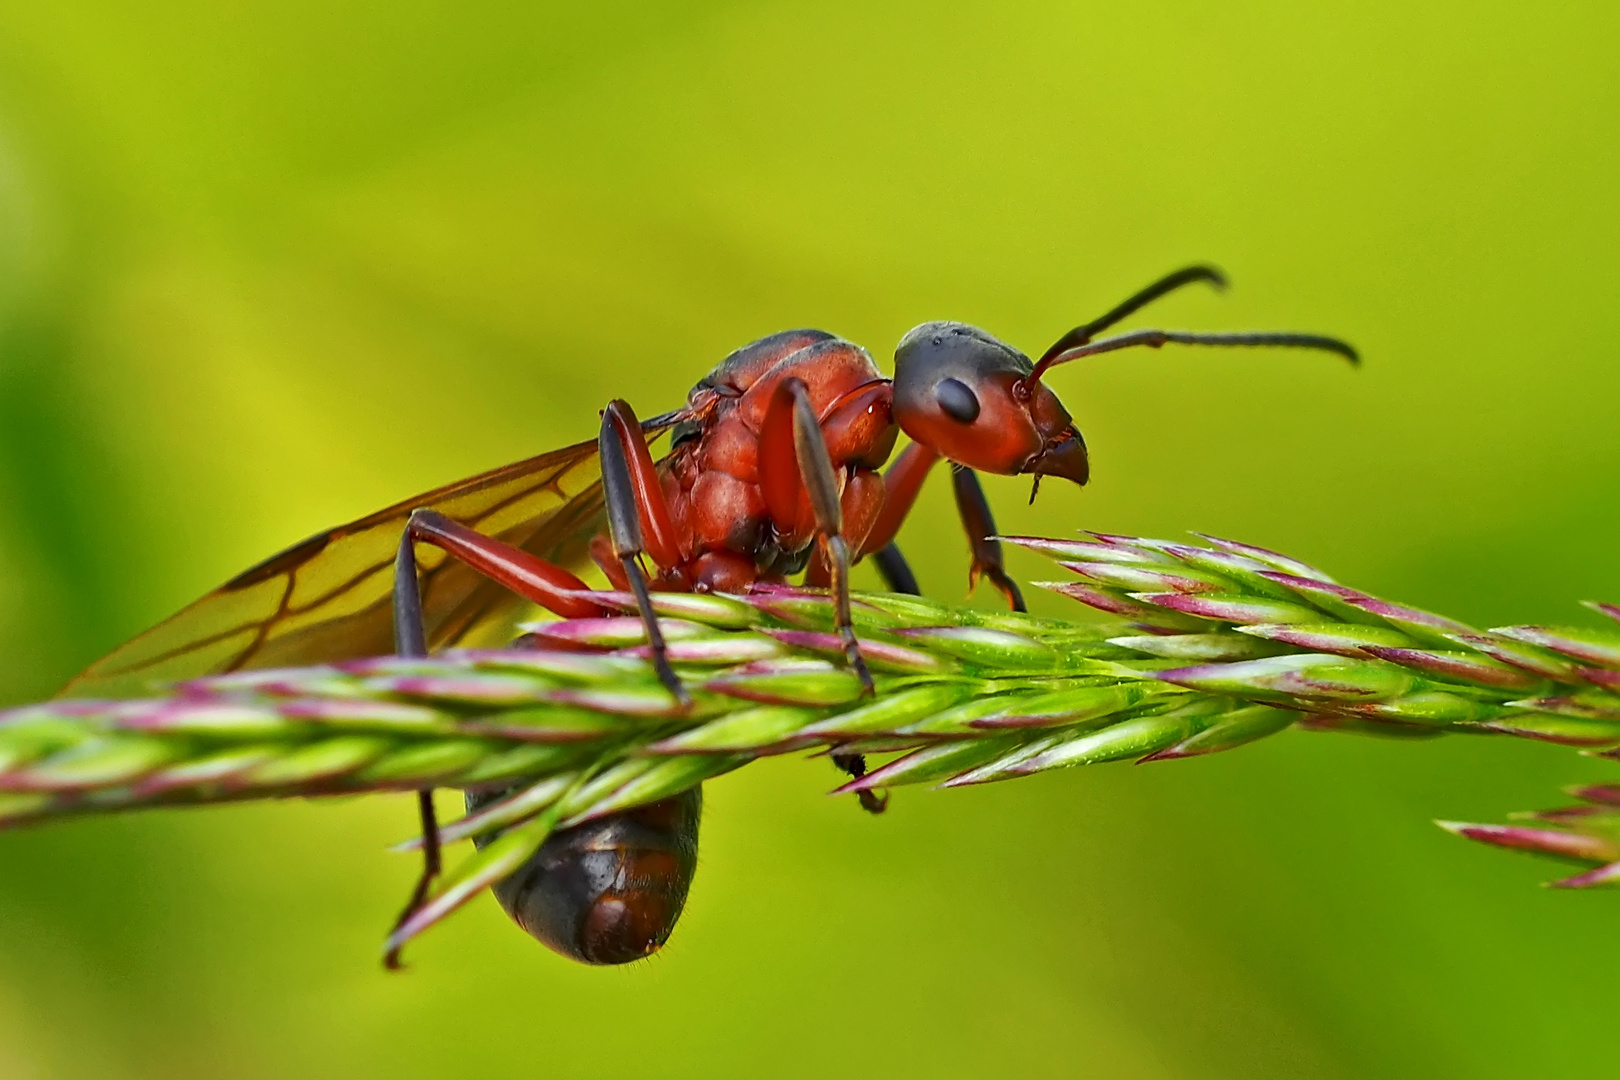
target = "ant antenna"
x: 1155, y: 338
x: 1080, y: 335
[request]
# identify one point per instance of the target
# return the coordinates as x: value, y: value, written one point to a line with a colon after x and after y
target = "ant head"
x: 981, y: 403
x: 971, y: 397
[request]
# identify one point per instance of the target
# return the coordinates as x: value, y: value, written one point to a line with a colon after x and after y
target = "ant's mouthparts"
x: 1066, y: 458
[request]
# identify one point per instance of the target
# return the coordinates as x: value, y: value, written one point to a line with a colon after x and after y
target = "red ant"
x: 772, y: 471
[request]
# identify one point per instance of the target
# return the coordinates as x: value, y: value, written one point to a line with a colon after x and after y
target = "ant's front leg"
x: 901, y: 483
x: 980, y: 526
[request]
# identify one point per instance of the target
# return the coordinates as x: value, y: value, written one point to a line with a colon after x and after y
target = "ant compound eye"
x: 957, y: 399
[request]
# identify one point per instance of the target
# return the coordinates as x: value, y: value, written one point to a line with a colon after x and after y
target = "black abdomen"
x: 607, y: 891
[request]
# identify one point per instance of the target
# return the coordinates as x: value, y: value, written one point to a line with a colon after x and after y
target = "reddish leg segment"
x: 530, y: 577
x: 859, y: 427
x: 859, y: 506
x: 602, y: 555
x: 781, y: 480
x: 974, y: 510
x: 636, y: 510
x: 901, y: 483
x: 630, y: 501
x: 646, y: 491
x: 791, y: 425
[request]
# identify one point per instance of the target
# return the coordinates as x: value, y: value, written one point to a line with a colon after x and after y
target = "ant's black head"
x: 981, y: 403
x: 969, y: 396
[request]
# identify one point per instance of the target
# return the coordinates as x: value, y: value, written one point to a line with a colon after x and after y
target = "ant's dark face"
x: 968, y: 395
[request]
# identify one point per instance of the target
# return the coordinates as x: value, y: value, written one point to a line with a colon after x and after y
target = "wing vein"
x: 349, y: 610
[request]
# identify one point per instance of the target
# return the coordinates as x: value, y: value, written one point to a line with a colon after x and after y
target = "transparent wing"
x: 329, y: 598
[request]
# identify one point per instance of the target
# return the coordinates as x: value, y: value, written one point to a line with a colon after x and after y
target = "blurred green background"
x: 266, y: 266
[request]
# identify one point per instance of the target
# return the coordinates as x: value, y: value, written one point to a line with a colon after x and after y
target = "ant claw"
x: 862, y: 672
x: 873, y: 802
x: 997, y: 577
x: 672, y: 682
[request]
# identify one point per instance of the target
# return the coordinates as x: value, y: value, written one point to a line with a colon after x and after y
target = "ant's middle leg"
x: 854, y: 766
x: 790, y: 414
x: 638, y: 521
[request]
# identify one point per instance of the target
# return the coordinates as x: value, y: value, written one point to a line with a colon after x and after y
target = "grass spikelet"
x: 1204, y: 649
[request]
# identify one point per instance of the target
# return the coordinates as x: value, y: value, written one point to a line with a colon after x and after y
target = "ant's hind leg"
x: 530, y: 577
x: 410, y: 640
x: 431, y: 865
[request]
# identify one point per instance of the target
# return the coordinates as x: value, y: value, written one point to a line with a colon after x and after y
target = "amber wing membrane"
x: 330, y: 597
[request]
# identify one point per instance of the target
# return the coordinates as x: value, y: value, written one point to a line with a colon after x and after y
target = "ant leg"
x: 981, y: 530
x: 901, y: 483
x: 896, y: 572
x: 410, y: 640
x: 873, y: 802
x: 820, y: 481
x: 431, y: 866
x: 601, y: 549
x: 646, y: 493
x: 530, y: 577
x: 859, y: 505
x: 630, y: 485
